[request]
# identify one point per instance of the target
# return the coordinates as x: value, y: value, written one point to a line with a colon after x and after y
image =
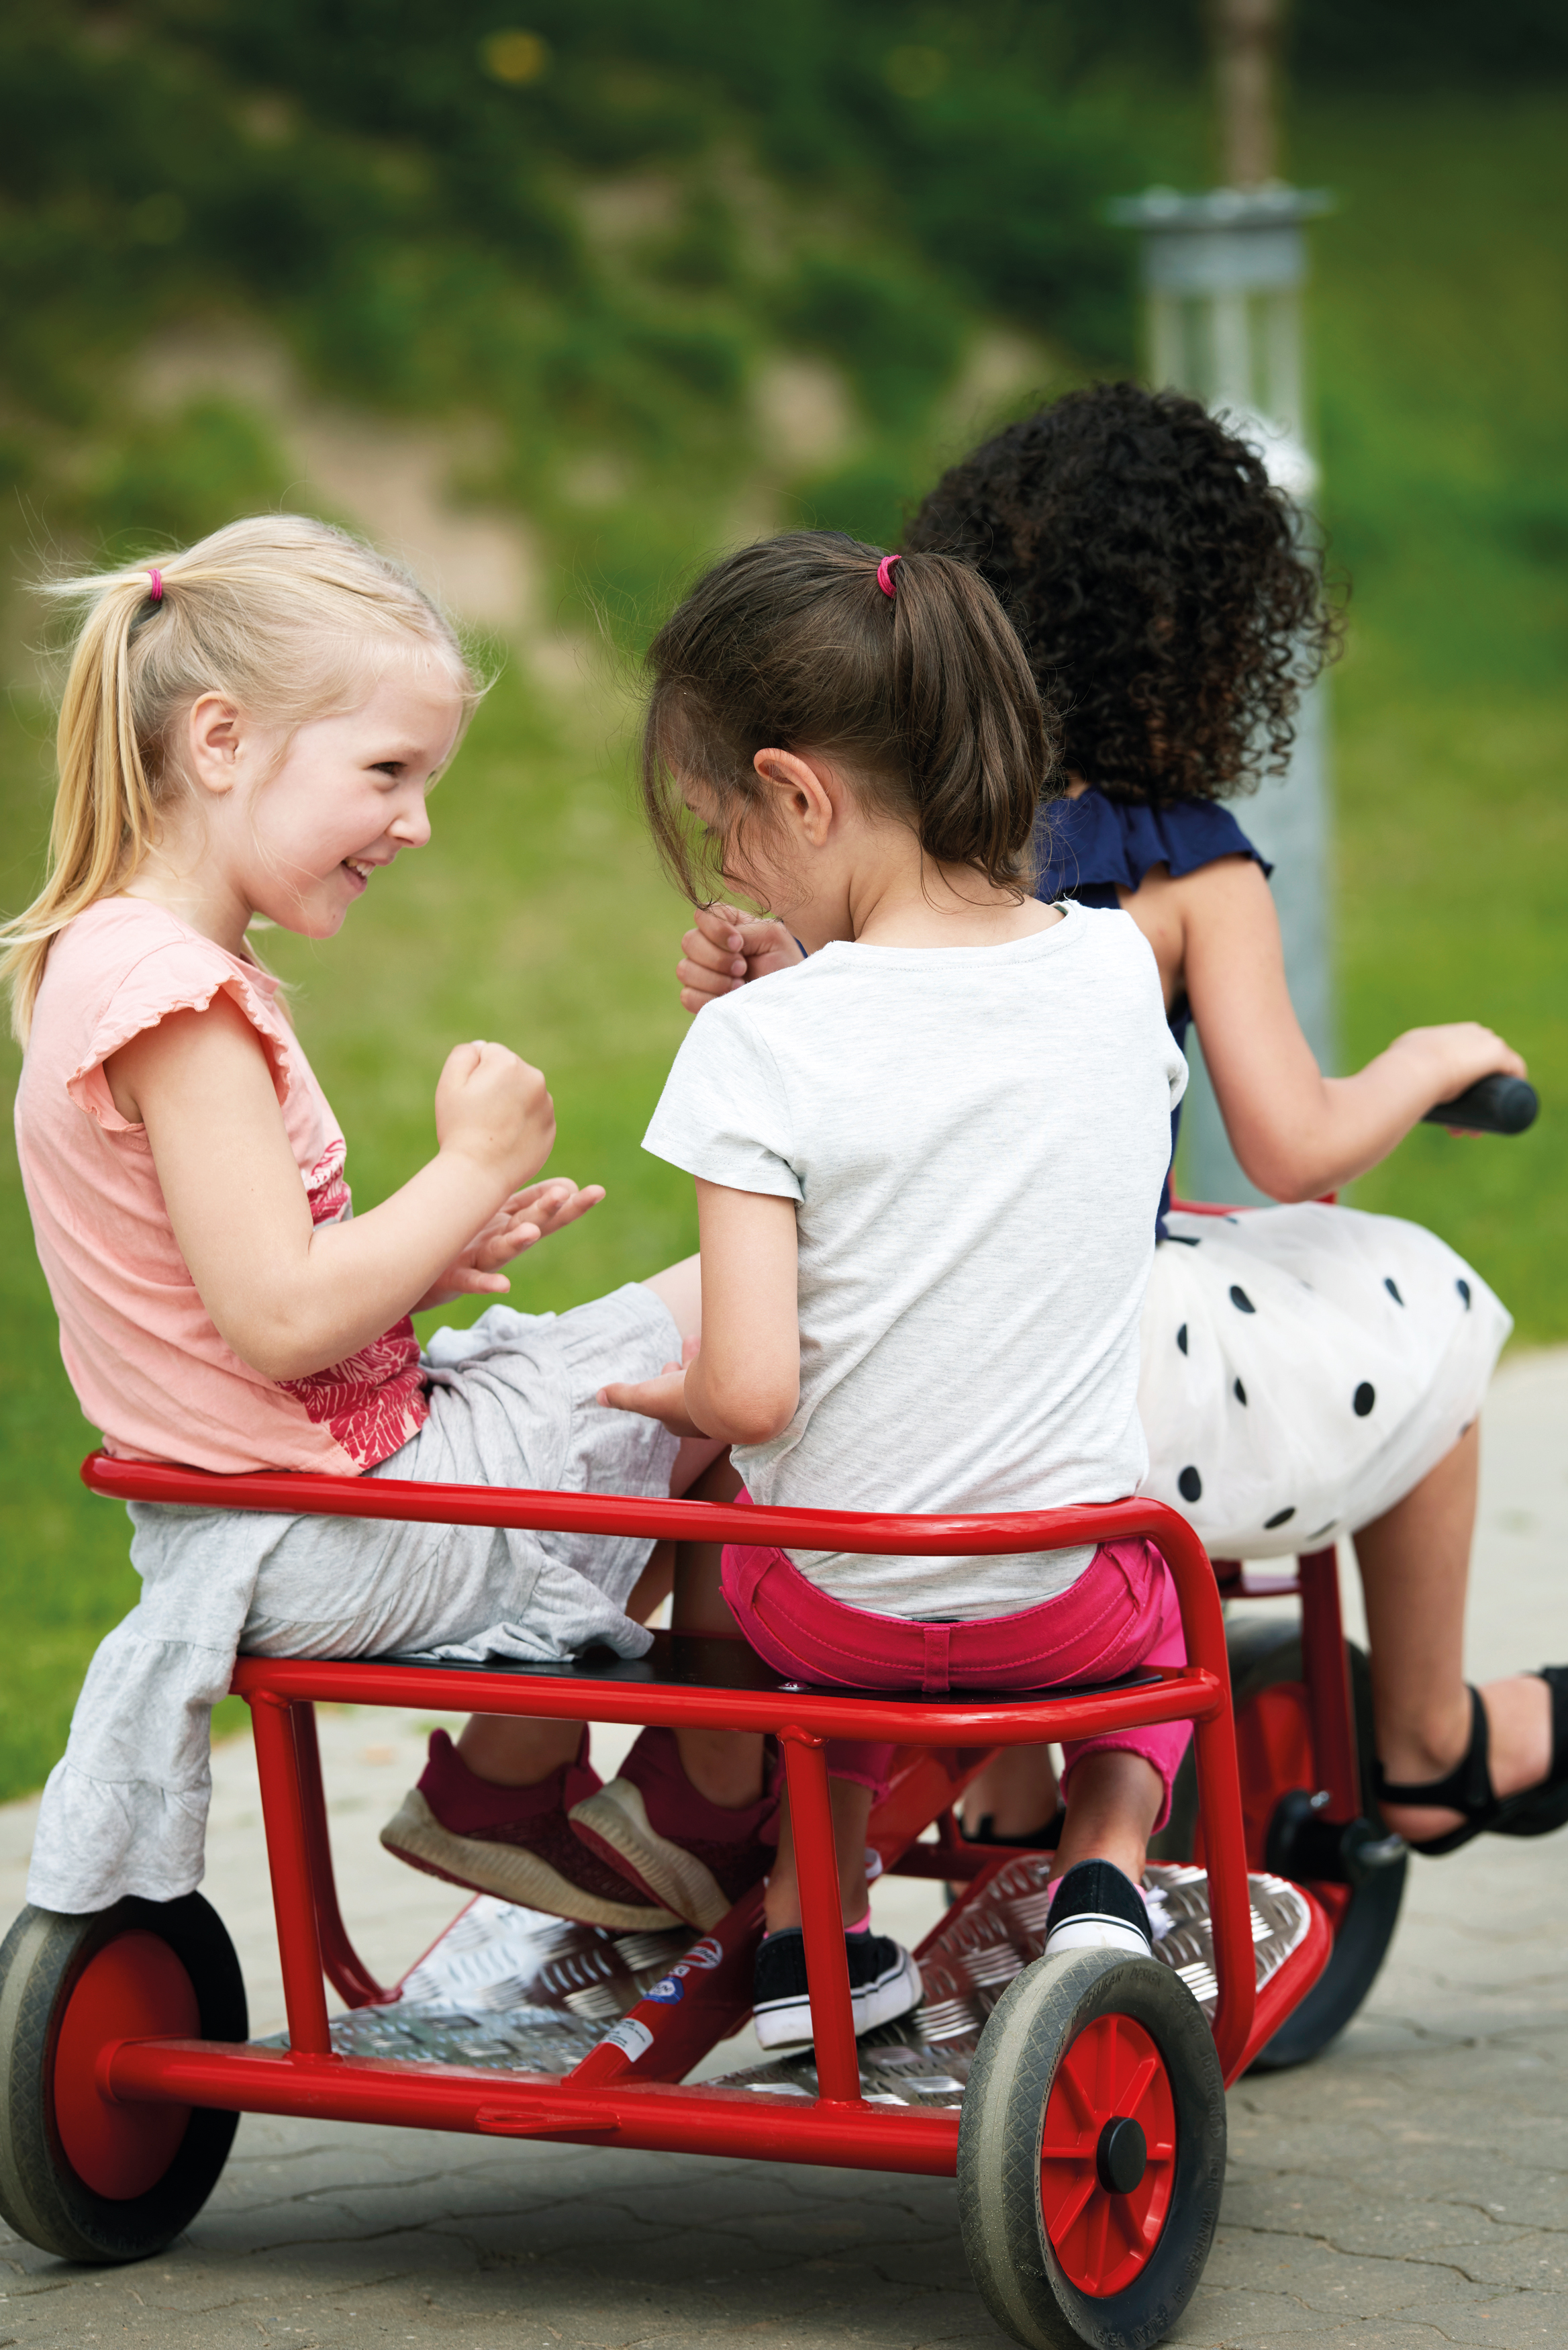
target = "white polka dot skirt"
x: 1304, y: 1367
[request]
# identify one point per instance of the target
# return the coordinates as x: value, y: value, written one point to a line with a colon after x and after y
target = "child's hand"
x: 724, y: 949
x: 1458, y: 1056
x: 492, y: 1108
x: 520, y: 1223
x: 663, y: 1399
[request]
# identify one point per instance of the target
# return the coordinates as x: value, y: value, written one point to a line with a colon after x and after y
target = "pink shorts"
x: 1121, y: 1613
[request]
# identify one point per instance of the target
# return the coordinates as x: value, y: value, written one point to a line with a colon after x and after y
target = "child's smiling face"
x: 298, y: 840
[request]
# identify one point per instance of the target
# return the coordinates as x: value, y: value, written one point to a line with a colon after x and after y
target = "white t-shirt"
x: 976, y: 1138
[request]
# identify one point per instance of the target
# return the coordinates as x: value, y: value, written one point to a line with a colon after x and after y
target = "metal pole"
x: 1222, y: 276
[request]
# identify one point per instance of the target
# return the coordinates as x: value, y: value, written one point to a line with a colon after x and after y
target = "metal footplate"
x: 967, y: 1963
x: 506, y: 1989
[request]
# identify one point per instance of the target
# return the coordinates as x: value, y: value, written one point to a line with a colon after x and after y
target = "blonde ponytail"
x: 281, y: 615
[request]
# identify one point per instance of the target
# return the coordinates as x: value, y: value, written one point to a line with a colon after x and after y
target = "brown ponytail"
x: 925, y: 694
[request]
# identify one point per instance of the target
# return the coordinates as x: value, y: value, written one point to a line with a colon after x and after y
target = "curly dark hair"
x: 1169, y: 605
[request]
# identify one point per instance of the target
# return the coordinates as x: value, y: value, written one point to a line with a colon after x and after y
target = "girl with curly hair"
x: 1308, y: 1371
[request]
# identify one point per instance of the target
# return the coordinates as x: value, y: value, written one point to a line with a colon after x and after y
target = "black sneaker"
x: 1096, y: 1907
x: 884, y: 1982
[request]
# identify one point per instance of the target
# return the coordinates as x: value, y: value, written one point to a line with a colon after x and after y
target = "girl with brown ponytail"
x: 927, y: 1160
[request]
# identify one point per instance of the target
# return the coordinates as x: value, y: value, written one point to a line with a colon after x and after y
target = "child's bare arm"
x: 289, y: 1299
x: 744, y: 1384
x: 1297, y: 1133
x: 724, y: 948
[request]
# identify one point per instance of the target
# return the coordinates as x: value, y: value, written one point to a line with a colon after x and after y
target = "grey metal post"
x: 1222, y: 278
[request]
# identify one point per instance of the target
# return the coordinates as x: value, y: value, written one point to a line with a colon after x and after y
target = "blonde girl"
x: 251, y: 728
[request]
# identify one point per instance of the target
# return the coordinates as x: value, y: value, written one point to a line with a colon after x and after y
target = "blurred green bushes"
x: 590, y: 229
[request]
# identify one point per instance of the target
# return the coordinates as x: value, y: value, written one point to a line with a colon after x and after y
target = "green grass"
x: 1441, y: 343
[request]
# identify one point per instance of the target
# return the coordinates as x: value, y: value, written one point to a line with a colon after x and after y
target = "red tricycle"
x: 1079, y: 2100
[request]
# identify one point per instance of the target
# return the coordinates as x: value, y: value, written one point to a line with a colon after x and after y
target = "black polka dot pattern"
x: 1241, y: 1301
x: 1181, y: 1337
x: 1464, y: 1289
x: 1393, y: 1289
x: 1365, y: 1395
x: 1280, y: 1518
x: 1239, y: 1391
x: 1189, y: 1485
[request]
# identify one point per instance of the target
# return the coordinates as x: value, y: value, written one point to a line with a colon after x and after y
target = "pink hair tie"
x: 884, y: 573
x: 156, y: 591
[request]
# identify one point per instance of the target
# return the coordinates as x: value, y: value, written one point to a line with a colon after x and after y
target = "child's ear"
x: 804, y: 789
x: 214, y: 735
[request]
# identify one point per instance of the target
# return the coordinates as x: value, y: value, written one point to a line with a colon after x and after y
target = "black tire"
x: 1266, y: 1654
x: 42, y: 1962
x: 1030, y: 2034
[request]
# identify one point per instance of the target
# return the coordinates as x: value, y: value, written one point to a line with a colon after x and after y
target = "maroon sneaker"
x: 515, y: 1842
x: 679, y: 1849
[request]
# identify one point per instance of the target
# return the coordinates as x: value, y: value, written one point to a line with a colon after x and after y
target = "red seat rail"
x: 802, y: 1718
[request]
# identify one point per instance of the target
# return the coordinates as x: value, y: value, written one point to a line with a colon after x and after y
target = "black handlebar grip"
x: 1495, y: 1104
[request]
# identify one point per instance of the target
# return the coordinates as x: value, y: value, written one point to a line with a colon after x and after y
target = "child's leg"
x: 884, y: 1981
x: 724, y: 1765
x: 1113, y: 1798
x: 686, y: 1818
x: 1016, y: 1793
x: 851, y: 1807
x: 1415, y: 1567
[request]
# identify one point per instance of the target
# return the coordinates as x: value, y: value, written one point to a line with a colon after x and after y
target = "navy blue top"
x: 1090, y: 846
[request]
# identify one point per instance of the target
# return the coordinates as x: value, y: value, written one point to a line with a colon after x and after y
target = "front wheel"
x: 1092, y: 2153
x: 80, y: 2176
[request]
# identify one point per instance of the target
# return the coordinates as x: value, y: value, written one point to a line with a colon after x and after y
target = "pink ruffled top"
x: 140, y: 1347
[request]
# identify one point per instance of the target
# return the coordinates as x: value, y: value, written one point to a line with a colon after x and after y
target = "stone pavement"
x: 1409, y: 2189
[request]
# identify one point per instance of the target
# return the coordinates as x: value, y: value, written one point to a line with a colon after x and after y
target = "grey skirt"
x: 512, y: 1402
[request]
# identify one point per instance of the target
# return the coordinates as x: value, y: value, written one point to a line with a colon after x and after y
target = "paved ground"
x: 1409, y: 2189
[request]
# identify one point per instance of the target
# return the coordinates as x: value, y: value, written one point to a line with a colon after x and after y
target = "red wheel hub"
x: 1101, y: 2233
x: 135, y: 1989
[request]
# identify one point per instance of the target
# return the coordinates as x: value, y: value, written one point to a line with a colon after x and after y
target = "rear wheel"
x: 1273, y: 1740
x: 81, y: 2176
x: 1092, y: 2153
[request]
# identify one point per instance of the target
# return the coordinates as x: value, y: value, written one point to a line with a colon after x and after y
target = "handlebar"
x: 1494, y: 1105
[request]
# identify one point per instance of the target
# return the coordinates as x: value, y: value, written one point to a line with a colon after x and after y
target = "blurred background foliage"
x: 616, y: 285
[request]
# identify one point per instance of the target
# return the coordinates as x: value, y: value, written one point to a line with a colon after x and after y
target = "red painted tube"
x: 1229, y: 1901
x: 913, y: 1721
x: 293, y: 1895
x: 295, y: 1492
x: 345, y: 1971
x: 1326, y: 1667
x: 821, y: 1917
x: 752, y: 2124
x: 1201, y: 1693
x: 715, y: 1999
x: 1285, y: 1991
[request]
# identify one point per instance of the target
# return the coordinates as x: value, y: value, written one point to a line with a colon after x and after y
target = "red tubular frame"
x: 617, y: 2094
x: 1325, y: 1669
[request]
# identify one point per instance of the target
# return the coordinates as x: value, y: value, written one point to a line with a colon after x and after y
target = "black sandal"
x: 1533, y: 1811
x: 1536, y: 1811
